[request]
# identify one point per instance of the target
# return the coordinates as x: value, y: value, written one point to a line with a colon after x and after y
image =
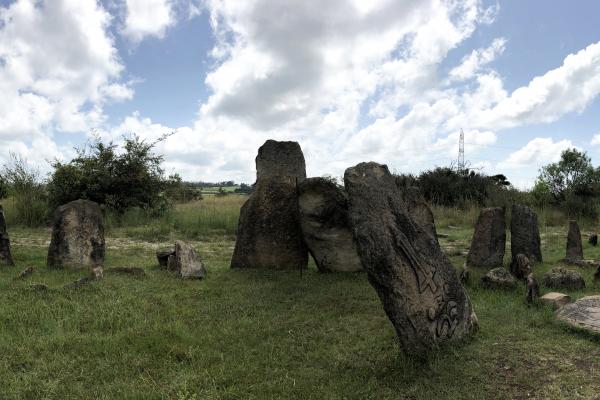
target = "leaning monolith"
x: 325, y: 225
x: 269, y: 234
x: 5, y: 255
x: 574, y: 246
x: 414, y: 279
x: 77, y: 236
x: 524, y: 234
x: 489, y: 239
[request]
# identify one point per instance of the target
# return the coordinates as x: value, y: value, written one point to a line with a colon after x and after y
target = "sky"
x: 391, y: 81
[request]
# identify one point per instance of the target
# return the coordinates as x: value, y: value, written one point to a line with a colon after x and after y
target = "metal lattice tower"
x: 461, y: 152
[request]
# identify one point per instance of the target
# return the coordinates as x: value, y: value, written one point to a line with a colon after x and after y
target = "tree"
x: 572, y: 175
x: 119, y: 179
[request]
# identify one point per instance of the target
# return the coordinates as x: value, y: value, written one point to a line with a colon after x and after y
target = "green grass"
x: 267, y: 335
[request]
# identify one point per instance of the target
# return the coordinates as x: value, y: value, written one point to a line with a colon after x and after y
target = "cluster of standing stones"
x: 370, y: 224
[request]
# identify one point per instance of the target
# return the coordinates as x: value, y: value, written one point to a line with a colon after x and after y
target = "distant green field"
x: 215, y: 189
x: 267, y: 335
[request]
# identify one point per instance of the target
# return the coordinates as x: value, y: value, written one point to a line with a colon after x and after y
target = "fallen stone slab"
x: 583, y: 314
x: 555, y: 300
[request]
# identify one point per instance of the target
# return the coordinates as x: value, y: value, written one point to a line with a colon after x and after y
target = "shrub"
x: 27, y: 190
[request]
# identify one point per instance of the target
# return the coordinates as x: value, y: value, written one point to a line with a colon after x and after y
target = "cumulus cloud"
x: 479, y: 58
x: 537, y: 152
x: 148, y: 18
x: 595, y: 140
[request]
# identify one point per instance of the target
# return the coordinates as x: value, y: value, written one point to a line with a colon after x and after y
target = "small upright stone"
x: 419, y: 210
x: 574, y: 247
x: 325, y: 226
x: 533, y: 289
x: 489, y: 239
x: 525, y: 234
x: 593, y: 240
x: 498, y: 278
x: 186, y: 261
x: 77, y: 236
x: 5, y: 255
x: 416, y: 282
x: 521, y: 267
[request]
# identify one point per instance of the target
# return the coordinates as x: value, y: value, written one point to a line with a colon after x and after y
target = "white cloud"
x: 537, y: 152
x: 479, y: 58
x: 148, y: 18
x: 595, y: 140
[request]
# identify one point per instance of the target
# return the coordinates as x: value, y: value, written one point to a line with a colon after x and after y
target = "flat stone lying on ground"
x: 77, y: 236
x: 5, y: 255
x: 525, y: 234
x: 574, y: 246
x: 555, y: 300
x: 186, y: 262
x: 414, y: 279
x: 269, y: 233
x: 325, y: 226
x: 562, y: 278
x: 489, y: 239
x: 498, y: 278
x: 583, y: 314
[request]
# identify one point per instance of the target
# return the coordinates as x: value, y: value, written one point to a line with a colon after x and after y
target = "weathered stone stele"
x: 414, y: 279
x: 583, y: 314
x: 186, y: 262
x: 574, y: 246
x: 269, y: 234
x: 489, y: 239
x: 419, y: 210
x: 5, y: 255
x: 325, y: 225
x: 77, y: 236
x: 525, y: 234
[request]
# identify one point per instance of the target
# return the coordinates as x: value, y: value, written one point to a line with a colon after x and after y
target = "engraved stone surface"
x: 415, y: 280
x: 419, y: 210
x: 584, y: 314
x: 525, y: 234
x: 489, y: 239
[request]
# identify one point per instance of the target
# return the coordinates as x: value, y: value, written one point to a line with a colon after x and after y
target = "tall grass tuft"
x: 28, y: 202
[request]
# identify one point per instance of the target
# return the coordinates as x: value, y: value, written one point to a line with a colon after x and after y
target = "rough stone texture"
x: 498, y: 278
x: 269, y: 234
x: 77, y: 236
x: 26, y: 272
x: 593, y: 240
x: 414, y: 279
x: 555, y: 300
x: 419, y: 210
x: 186, y: 261
x: 583, y: 314
x: 597, y: 274
x: 5, y: 255
x: 162, y: 255
x: 525, y: 234
x: 521, y: 266
x: 561, y: 278
x: 574, y: 247
x: 533, y: 289
x: 97, y: 272
x: 489, y: 239
x: 325, y: 225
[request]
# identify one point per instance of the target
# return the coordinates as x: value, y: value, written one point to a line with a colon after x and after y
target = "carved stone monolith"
x: 269, y: 234
x: 574, y: 246
x: 414, y: 279
x: 419, y: 210
x: 524, y: 234
x: 77, y: 236
x: 5, y: 255
x: 489, y: 239
x: 325, y: 225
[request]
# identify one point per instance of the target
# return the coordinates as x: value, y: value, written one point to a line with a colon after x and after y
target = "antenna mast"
x: 461, y: 153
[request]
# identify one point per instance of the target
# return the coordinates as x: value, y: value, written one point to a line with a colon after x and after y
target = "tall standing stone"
x: 77, y: 236
x: 419, y: 210
x: 5, y: 255
x: 489, y: 239
x: 525, y: 234
x: 574, y: 246
x: 269, y: 233
x: 414, y: 279
x: 325, y: 225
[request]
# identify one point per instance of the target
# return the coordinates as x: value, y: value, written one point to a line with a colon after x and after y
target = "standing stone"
x: 186, y: 261
x: 5, y: 255
x: 325, y: 225
x: 521, y: 266
x: 414, y: 279
x: 574, y: 247
x: 489, y: 239
x: 419, y: 210
x: 77, y: 236
x: 525, y: 234
x: 269, y: 234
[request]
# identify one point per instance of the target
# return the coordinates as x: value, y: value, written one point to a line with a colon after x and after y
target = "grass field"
x: 266, y: 335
